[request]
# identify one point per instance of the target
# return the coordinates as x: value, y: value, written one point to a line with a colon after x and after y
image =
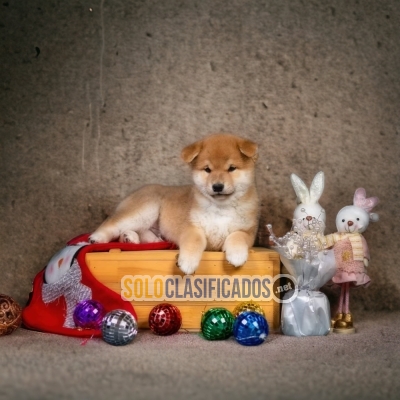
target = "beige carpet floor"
x: 365, y: 365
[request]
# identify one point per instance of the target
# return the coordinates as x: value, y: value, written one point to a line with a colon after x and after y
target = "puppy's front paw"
x: 98, y: 237
x: 187, y: 264
x: 129, y: 237
x: 236, y: 248
x: 237, y: 256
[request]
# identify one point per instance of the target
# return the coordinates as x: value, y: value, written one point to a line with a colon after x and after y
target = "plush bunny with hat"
x: 351, y: 253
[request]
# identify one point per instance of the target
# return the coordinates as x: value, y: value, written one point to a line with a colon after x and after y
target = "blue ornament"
x: 250, y: 328
x: 119, y: 327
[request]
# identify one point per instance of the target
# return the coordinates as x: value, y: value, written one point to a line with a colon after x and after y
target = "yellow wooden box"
x: 148, y: 278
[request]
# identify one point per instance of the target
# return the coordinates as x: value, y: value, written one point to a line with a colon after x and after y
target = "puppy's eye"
x: 343, y: 220
x: 358, y: 219
x: 231, y: 168
x: 208, y: 170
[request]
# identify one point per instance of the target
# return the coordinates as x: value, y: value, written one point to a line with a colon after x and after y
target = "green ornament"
x: 217, y: 324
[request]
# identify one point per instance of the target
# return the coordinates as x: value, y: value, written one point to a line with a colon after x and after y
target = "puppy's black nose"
x: 218, y: 187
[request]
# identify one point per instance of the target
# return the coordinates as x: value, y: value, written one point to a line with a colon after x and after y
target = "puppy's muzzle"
x: 218, y: 187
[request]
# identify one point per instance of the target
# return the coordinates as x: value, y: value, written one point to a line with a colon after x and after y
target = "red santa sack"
x: 67, y: 280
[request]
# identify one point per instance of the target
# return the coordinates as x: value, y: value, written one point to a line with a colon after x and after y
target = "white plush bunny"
x: 309, y: 212
x: 308, y: 218
x: 351, y: 253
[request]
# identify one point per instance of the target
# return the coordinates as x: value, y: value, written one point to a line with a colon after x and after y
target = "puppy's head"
x: 222, y: 165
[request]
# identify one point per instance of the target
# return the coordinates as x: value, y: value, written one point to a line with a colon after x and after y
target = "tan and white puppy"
x: 219, y: 212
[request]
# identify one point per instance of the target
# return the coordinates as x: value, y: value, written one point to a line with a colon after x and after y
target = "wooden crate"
x: 141, y: 277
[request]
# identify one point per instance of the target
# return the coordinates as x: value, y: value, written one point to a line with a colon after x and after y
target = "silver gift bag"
x: 306, y: 311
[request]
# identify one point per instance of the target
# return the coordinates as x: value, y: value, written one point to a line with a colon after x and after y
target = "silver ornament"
x: 119, y: 327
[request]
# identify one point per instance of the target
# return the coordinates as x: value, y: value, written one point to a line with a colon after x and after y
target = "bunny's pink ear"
x: 360, y: 200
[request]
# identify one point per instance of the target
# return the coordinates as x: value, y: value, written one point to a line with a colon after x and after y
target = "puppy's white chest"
x: 217, y: 224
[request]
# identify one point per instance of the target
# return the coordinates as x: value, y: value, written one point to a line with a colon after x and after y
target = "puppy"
x: 219, y: 212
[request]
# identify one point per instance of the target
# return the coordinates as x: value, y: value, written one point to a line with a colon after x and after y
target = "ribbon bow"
x: 71, y: 288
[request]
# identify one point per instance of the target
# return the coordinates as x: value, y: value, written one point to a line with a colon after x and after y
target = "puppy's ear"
x: 190, y: 152
x: 249, y: 149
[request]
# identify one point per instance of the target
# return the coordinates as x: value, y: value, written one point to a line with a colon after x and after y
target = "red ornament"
x: 165, y: 319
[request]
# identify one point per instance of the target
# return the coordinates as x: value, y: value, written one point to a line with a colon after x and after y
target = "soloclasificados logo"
x: 160, y: 288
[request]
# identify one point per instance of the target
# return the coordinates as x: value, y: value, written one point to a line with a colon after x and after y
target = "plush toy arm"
x: 365, y: 251
x: 328, y: 241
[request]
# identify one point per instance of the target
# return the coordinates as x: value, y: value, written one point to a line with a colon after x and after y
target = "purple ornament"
x: 89, y: 314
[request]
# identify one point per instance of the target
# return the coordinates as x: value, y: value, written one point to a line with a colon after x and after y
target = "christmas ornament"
x: 250, y: 328
x: 10, y: 315
x: 119, y: 327
x: 89, y: 314
x: 165, y: 319
x: 247, y: 306
x: 217, y: 323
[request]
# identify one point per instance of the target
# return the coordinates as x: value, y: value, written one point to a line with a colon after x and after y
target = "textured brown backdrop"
x: 98, y: 97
